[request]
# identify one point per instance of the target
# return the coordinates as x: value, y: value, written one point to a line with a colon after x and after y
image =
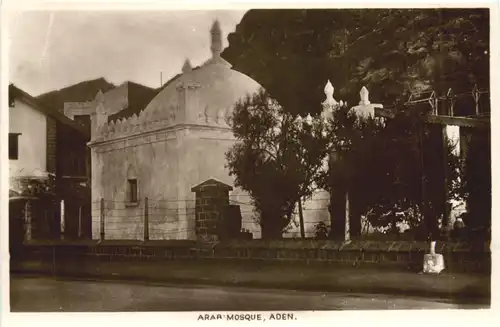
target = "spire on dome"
x: 330, y: 101
x: 187, y: 66
x: 216, y: 33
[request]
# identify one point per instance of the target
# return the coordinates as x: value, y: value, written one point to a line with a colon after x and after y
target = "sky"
x: 49, y: 50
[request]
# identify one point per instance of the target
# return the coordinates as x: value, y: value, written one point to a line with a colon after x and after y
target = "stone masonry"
x: 212, y: 200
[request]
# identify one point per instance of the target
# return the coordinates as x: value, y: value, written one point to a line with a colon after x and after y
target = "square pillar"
x: 212, y: 201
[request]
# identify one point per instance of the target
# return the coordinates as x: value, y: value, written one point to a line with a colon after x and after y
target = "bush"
x: 321, y: 231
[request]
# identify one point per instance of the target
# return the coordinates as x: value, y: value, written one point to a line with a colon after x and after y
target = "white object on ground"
x: 433, y: 262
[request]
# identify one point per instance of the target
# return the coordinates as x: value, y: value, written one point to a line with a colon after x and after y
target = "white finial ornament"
x: 187, y: 66
x: 216, y: 33
x: 309, y: 119
x: 99, y: 97
x: 329, y: 89
x: 366, y: 108
x: 363, y: 94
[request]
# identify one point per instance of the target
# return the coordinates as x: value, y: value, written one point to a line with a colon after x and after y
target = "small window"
x: 14, y: 146
x: 83, y: 120
x: 132, y: 190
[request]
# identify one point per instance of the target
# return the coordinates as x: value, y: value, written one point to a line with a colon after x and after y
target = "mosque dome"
x: 200, y: 94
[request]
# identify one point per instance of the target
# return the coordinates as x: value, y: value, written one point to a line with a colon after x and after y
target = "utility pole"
x: 102, y: 226
x: 146, y: 220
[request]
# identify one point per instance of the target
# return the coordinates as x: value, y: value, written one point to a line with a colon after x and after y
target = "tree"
x: 395, y: 53
x: 476, y: 184
x: 276, y: 159
x: 311, y: 153
x: 381, y: 167
x: 359, y: 167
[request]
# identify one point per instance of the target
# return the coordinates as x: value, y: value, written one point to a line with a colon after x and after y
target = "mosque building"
x: 160, y: 152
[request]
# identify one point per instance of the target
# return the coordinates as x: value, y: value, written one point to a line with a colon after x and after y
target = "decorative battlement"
x: 153, y: 119
x: 179, y: 113
x: 187, y: 108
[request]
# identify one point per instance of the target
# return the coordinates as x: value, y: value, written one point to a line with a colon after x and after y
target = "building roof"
x: 17, y: 93
x: 211, y: 183
x: 80, y: 92
x: 219, y: 86
x: 138, y: 97
x: 175, y: 78
x: 141, y: 102
x: 139, y: 106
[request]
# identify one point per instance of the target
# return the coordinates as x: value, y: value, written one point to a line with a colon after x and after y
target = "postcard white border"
x: 333, y: 318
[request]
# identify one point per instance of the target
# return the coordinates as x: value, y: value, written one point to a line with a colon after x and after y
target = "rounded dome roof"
x: 219, y: 88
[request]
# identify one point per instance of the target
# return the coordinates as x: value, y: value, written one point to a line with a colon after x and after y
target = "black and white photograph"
x: 246, y: 163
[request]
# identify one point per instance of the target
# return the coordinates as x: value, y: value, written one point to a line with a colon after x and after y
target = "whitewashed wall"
x: 32, y: 125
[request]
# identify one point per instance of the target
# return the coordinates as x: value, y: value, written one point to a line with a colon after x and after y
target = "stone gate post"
x: 212, y: 200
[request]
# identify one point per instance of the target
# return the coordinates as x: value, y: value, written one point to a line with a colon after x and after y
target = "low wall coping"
x: 292, y: 245
x: 356, y: 246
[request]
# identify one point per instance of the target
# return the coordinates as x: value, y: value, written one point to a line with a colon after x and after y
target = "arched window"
x: 132, y: 186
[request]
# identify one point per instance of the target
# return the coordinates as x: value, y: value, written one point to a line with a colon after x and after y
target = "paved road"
x: 49, y: 295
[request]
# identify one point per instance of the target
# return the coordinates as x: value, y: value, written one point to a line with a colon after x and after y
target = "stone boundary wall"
x: 459, y: 257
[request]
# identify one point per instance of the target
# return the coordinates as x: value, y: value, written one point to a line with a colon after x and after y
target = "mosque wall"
x: 205, y: 158
x: 178, y: 141
x: 203, y: 151
x: 166, y: 165
x: 152, y: 160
